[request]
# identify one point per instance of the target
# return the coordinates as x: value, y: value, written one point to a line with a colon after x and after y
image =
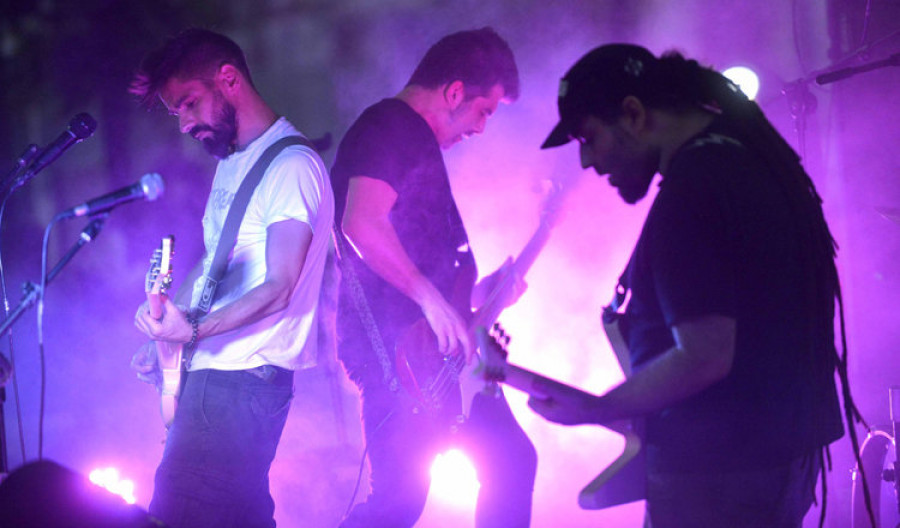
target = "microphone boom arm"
x: 31, y: 290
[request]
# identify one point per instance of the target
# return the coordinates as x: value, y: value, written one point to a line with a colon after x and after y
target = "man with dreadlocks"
x: 732, y: 283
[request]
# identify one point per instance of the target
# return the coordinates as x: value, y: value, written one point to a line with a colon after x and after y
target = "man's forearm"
x: 262, y: 301
x: 702, y: 356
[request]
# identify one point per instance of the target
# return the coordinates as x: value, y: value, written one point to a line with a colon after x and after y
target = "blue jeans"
x: 215, y: 467
x: 401, y: 446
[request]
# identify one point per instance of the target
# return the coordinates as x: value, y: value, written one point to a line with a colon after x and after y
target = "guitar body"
x: 168, y: 355
x: 624, y: 480
x: 430, y: 377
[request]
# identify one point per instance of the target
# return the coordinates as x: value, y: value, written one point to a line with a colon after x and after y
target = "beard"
x: 223, y: 131
x: 637, y: 187
x: 637, y: 168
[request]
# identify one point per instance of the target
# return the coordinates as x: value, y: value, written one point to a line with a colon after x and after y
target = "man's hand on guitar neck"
x: 173, y: 327
x: 565, y: 405
x: 504, y: 286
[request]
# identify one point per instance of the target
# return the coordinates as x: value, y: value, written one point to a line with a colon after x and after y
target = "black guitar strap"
x: 363, y: 309
x: 613, y: 310
x: 228, y: 237
x: 233, y: 221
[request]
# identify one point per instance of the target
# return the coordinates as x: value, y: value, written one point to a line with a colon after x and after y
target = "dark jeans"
x: 776, y: 497
x: 401, y: 446
x: 215, y: 467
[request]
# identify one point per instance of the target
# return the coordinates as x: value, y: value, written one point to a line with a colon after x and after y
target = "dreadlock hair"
x: 193, y: 53
x: 685, y: 84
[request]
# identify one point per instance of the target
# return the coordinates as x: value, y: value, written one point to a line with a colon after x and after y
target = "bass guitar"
x: 431, y: 377
x: 624, y: 479
x: 168, y: 355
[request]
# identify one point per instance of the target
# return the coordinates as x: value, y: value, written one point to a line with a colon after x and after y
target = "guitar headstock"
x: 554, y: 195
x: 493, y: 352
x: 159, y: 276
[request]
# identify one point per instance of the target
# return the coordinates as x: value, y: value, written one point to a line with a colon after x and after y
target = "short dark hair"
x: 192, y: 53
x: 479, y: 58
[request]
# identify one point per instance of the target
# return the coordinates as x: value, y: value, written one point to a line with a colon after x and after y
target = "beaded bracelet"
x: 195, y: 331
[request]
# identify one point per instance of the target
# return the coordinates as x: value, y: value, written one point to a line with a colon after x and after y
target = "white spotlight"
x: 453, y: 479
x: 110, y: 479
x: 745, y: 78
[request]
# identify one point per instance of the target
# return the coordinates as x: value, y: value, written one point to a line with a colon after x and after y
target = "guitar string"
x: 445, y: 380
x: 448, y: 376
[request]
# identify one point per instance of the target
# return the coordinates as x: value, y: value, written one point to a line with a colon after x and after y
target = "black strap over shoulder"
x: 235, y: 215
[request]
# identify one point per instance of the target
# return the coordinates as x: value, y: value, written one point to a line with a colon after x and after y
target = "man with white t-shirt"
x: 261, y: 325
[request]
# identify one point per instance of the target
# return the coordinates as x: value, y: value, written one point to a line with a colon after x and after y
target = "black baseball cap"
x: 597, y: 83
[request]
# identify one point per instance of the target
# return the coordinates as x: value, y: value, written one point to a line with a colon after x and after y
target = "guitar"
x: 431, y: 377
x: 623, y: 480
x: 168, y: 355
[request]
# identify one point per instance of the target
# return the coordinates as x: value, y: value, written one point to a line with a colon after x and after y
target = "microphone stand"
x: 894, y: 393
x: 30, y: 295
x: 850, y: 71
x: 21, y: 164
x: 88, y: 234
x: 19, y: 175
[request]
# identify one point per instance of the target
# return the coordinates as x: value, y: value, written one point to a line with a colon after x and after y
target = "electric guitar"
x: 158, y: 281
x: 431, y: 377
x: 624, y: 480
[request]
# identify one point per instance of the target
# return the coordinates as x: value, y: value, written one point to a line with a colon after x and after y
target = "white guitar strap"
x: 612, y: 313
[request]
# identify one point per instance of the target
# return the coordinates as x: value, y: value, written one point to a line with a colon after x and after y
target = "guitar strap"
x: 236, y: 211
x: 363, y: 308
x: 611, y: 317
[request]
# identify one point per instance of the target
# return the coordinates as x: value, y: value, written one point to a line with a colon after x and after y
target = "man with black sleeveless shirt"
x: 409, y: 268
x: 732, y: 292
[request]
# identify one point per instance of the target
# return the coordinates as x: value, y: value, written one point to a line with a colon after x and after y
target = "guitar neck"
x: 496, y: 301
x: 528, y: 381
x: 155, y: 303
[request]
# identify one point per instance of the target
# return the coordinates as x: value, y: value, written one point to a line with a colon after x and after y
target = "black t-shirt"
x: 391, y: 142
x: 721, y: 238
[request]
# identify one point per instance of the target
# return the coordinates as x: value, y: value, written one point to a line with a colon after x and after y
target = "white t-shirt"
x: 295, y: 186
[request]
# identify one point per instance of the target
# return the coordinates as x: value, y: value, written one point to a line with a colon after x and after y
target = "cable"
x: 12, y: 353
x: 362, y: 464
x: 40, y: 336
x: 867, y: 15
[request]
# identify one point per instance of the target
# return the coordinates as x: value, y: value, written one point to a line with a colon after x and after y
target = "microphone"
x: 80, y: 127
x: 150, y: 187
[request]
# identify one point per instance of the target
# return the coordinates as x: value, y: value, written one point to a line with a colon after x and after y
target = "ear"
x: 228, y: 78
x: 454, y: 94
x: 634, y: 115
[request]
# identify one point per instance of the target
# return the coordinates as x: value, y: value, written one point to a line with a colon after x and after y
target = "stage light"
x: 454, y: 480
x: 745, y: 78
x: 110, y: 479
x: 46, y: 494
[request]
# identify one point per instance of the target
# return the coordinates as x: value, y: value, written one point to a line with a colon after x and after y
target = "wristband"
x: 195, y: 331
